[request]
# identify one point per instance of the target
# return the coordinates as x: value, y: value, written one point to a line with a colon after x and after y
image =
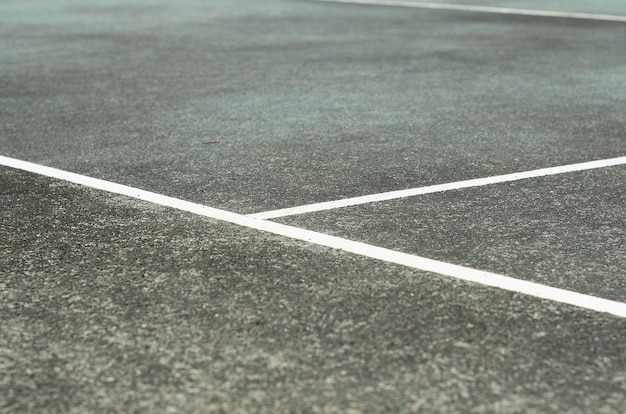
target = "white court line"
x: 484, y: 9
x: 379, y: 253
x: 391, y: 195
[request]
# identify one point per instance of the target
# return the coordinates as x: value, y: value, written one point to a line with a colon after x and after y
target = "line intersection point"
x: 375, y: 252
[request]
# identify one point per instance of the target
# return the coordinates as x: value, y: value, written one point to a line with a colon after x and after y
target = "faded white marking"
x: 484, y: 9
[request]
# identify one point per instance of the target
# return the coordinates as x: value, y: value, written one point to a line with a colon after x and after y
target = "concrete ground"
x: 113, y: 304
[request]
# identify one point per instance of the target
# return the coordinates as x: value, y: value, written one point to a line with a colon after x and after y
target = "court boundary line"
x: 437, y: 188
x: 503, y: 282
x: 483, y: 9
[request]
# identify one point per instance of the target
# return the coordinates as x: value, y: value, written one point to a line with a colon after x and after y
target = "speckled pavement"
x: 112, y: 304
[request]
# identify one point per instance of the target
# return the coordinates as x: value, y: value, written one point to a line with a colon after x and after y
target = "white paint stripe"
x: 391, y: 195
x: 379, y: 253
x: 484, y: 9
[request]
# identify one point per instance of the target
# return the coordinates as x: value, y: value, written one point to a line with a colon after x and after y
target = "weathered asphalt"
x: 114, y: 305
x: 260, y: 106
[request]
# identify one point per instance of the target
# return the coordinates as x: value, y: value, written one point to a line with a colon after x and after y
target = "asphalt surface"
x: 566, y: 231
x: 110, y: 304
x: 255, y: 106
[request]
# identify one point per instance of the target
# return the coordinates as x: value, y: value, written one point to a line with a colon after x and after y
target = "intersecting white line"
x: 391, y: 195
x: 484, y: 9
x: 367, y: 250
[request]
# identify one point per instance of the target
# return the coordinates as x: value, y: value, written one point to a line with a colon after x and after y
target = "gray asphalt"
x: 253, y: 107
x: 566, y: 231
x: 114, y: 305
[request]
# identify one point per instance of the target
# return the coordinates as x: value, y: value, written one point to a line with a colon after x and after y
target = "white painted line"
x: 484, y: 9
x: 391, y: 195
x: 379, y: 253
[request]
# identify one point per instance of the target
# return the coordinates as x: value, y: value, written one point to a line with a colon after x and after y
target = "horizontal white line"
x: 391, y: 195
x: 379, y: 253
x: 484, y: 9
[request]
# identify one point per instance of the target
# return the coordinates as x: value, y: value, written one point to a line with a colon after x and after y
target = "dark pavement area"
x: 110, y: 304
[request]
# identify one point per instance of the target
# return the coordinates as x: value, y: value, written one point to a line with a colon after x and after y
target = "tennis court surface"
x: 313, y: 206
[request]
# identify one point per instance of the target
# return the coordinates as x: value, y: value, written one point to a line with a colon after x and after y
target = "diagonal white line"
x: 367, y: 250
x: 484, y: 9
x: 391, y: 195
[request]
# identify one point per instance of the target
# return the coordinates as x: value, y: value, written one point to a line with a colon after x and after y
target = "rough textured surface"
x: 114, y: 305
x: 567, y: 231
x: 255, y: 105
